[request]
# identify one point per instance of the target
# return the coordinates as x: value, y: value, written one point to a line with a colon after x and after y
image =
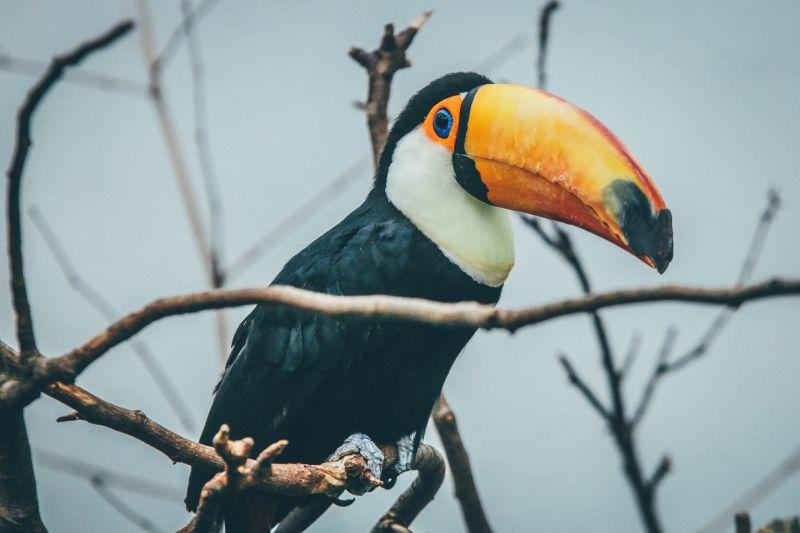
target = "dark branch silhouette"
x: 34, y: 97
x: 544, y: 37
x: 466, y: 490
x: 19, y: 506
x: 83, y: 77
x: 381, y: 65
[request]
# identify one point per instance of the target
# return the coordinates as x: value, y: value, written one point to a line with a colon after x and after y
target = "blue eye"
x: 442, y: 123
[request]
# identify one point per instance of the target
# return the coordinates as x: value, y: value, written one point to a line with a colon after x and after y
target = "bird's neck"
x: 475, y: 236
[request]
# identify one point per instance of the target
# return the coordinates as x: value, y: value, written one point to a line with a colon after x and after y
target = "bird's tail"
x: 250, y: 513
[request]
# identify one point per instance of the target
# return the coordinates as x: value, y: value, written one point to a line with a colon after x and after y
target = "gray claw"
x: 361, y: 444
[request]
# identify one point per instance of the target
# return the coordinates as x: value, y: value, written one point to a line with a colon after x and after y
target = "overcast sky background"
x: 703, y: 93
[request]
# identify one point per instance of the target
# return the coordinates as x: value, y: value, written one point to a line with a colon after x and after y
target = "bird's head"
x: 525, y: 150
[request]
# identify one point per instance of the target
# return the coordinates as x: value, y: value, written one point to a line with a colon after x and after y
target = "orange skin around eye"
x: 452, y: 104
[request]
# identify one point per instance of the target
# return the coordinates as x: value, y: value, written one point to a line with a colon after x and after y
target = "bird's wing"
x: 281, y: 356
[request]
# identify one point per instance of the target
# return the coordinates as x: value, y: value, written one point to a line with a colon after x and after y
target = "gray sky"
x: 703, y: 93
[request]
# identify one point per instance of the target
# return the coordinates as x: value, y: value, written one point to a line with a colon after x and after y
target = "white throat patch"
x: 475, y: 236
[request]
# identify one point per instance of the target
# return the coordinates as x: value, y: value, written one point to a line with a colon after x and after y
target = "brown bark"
x: 465, y: 488
x: 19, y: 505
x: 381, y: 65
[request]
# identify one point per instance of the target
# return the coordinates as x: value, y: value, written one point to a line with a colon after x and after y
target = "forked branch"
x: 55, y: 71
x: 381, y: 65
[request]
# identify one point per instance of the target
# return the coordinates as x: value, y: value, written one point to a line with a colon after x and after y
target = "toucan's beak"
x: 538, y: 154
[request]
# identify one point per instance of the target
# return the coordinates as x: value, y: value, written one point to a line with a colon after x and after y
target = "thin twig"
x: 664, y: 467
x: 86, y: 78
x: 34, y: 97
x: 120, y: 506
x: 205, y: 155
x: 630, y: 356
x: 466, y: 490
x: 103, y: 307
x: 544, y: 37
x: 584, y: 388
x: 177, y: 35
x: 381, y: 65
x: 616, y: 416
x: 207, y: 170
x: 455, y: 315
x: 112, y: 478
x: 506, y: 51
x: 660, y: 369
x: 751, y: 260
x: 169, y: 133
x: 774, y: 479
x: 284, y: 227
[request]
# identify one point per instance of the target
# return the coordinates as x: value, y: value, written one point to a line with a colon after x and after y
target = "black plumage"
x: 314, y: 380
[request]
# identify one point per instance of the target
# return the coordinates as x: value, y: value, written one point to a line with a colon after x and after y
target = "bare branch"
x: 120, y: 506
x: 381, y: 65
x: 466, y: 490
x: 431, y: 470
x: 584, y: 388
x: 751, y: 259
x: 100, y: 304
x: 176, y: 37
x: 630, y: 356
x: 86, y: 78
x: 285, y: 226
x: 52, y: 75
x: 134, y: 423
x: 19, y: 506
x: 300, y: 518
x: 767, y: 485
x: 506, y: 51
x: 664, y: 467
x: 660, y: 369
x: 207, y: 167
x: 170, y: 135
x: 110, y: 478
x: 288, y: 479
x: 544, y: 35
x: 383, y: 307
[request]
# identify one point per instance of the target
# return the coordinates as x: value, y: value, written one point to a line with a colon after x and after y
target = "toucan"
x: 436, y: 224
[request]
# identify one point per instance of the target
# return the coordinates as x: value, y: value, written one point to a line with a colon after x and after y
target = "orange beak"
x: 529, y: 151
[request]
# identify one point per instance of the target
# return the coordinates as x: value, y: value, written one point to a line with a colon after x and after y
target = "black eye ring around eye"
x: 442, y: 123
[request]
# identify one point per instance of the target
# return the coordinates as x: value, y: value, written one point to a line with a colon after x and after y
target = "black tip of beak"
x: 648, y: 234
x: 661, y: 248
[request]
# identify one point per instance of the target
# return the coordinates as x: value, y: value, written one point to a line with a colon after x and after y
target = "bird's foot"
x: 359, y: 443
x: 405, y: 460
